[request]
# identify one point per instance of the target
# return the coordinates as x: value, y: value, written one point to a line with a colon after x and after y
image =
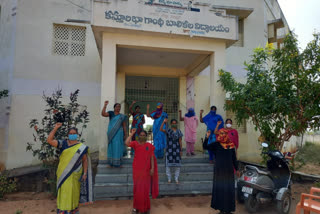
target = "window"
x: 69, y: 40
x: 242, y: 128
x: 240, y: 42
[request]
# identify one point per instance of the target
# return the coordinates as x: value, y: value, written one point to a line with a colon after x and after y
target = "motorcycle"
x: 259, y: 186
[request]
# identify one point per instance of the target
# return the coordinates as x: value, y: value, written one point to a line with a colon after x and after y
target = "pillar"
x: 182, y: 103
x: 217, y: 95
x: 108, y: 89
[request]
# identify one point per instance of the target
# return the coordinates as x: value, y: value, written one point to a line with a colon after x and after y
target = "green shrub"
x: 6, y: 185
x: 71, y: 114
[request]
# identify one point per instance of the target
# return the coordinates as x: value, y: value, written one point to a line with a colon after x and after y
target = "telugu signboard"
x: 165, y: 16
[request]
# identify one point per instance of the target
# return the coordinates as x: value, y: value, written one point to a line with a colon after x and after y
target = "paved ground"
x: 42, y: 203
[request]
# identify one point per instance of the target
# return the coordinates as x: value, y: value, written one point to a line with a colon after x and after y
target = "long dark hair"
x: 228, y: 120
x: 144, y: 131
x: 116, y: 105
x: 72, y: 128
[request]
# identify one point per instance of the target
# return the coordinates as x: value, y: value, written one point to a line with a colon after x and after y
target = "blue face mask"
x: 73, y: 136
x: 213, y: 112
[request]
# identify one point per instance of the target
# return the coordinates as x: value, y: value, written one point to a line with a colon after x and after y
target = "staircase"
x: 195, y: 178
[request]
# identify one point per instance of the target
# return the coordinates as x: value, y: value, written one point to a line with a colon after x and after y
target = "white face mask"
x: 228, y: 125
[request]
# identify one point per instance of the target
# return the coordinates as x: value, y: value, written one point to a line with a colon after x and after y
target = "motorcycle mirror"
x: 265, y: 145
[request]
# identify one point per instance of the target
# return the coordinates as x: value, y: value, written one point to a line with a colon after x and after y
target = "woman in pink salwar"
x: 190, y: 124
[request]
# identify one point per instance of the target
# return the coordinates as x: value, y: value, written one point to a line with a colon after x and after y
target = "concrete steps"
x: 114, y: 190
x: 195, y: 178
x: 127, y: 178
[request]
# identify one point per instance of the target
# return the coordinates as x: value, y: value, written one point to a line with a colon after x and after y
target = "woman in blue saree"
x: 117, y: 133
x: 74, y: 175
x: 159, y: 138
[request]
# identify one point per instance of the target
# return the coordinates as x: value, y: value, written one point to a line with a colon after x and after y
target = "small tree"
x: 282, y: 92
x: 71, y: 115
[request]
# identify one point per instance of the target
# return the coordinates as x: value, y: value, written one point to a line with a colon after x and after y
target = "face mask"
x: 213, y: 112
x: 143, y: 138
x: 174, y: 126
x: 73, y: 136
x: 228, y: 125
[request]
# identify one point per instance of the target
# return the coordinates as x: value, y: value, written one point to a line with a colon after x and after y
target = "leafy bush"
x: 70, y: 115
x: 282, y: 93
x: 6, y: 185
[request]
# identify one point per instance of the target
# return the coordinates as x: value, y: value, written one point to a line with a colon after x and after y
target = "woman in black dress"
x: 223, y: 190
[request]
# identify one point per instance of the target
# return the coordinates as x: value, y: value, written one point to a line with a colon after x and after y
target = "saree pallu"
x: 159, y: 138
x: 71, y: 190
x: 115, y: 140
x: 224, y: 140
x: 143, y: 182
x: 137, y: 123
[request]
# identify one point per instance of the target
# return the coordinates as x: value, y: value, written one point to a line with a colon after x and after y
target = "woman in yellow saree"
x: 74, y: 175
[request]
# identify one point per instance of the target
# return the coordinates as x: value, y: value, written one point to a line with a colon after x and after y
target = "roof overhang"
x: 278, y: 23
x: 273, y: 26
x: 241, y: 12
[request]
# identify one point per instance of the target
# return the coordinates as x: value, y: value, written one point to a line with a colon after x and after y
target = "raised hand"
x: 165, y: 120
x: 148, y: 106
x: 106, y: 102
x: 58, y: 125
x: 201, y: 111
x: 133, y: 131
x: 208, y: 133
x: 179, y: 111
x: 133, y: 102
x: 219, y: 122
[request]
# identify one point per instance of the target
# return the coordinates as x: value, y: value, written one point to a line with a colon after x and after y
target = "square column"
x: 108, y: 89
x: 182, y: 104
x: 217, y: 95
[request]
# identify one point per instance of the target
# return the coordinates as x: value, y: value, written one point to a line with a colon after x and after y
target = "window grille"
x: 151, y: 90
x: 240, y: 42
x: 69, y: 40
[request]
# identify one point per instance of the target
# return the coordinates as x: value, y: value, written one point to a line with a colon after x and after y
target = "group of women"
x: 74, y: 170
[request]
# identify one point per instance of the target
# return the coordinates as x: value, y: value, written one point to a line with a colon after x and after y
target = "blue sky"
x: 303, y: 17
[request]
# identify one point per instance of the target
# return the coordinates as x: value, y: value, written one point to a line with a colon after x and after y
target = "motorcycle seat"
x: 260, y: 171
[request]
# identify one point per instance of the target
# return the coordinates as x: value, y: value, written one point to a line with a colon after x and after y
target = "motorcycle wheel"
x: 283, y: 206
x: 252, y: 204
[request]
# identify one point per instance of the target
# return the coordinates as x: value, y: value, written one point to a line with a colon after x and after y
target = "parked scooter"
x: 258, y: 186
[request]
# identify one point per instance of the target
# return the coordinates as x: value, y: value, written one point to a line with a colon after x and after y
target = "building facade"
x: 125, y: 50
